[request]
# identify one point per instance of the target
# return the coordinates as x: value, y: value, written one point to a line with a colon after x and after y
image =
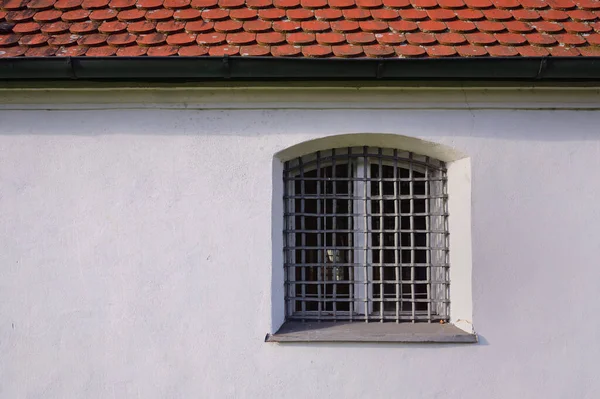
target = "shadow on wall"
x: 388, y: 346
x: 550, y: 125
x: 404, y: 143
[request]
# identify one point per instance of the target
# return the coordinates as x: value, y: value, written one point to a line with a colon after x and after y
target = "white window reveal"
x: 366, y: 236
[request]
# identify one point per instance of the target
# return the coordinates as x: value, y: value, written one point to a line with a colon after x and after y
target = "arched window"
x: 366, y: 236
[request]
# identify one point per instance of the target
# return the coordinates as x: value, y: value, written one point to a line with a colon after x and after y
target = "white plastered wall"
x: 136, y: 244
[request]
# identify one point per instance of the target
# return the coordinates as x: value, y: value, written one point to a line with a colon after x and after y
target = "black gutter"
x: 274, y: 68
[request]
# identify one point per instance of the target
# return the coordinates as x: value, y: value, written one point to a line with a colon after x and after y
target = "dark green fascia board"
x: 533, y: 69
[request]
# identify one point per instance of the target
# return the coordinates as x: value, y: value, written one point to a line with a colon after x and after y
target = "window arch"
x: 366, y: 236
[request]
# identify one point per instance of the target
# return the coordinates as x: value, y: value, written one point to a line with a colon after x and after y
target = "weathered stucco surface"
x: 136, y: 251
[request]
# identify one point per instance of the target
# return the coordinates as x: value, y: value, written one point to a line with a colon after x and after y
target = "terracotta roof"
x: 308, y: 28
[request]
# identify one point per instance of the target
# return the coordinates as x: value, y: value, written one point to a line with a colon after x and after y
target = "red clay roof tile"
x: 471, y: 51
x: 26, y: 27
x: 255, y: 50
x: 14, y: 4
x: 40, y: 51
x: 106, y: 14
x: 502, y: 51
x: 170, y: 27
x: 103, y: 51
x: 461, y: 26
x: 67, y: 4
x: 525, y: 15
x: 270, y: 38
x: 63, y: 40
x: 403, y: 26
x: 310, y: 26
x: 243, y: 14
x: 341, y: 3
x: 181, y: 39
x: 286, y: 26
x: 540, y: 39
x: 12, y: 52
x: 283, y: 4
x: 451, y: 3
x: 257, y: 26
x: 71, y: 51
x: 241, y: 38
x: 390, y: 38
x: 122, y: 4
x: 440, y: 51
x: 420, y: 38
x: 347, y: 50
x: 9, y: 40
x: 34, y: 40
x: 345, y: 26
x: 286, y: 50
x: 577, y: 27
x: 131, y: 51
x: 20, y: 16
x: 131, y: 15
x: 564, y: 52
x: 432, y: 26
x: 409, y: 50
x: 518, y: 27
x: 192, y: 51
x: 55, y: 28
x: 219, y: 51
x: 396, y: 3
x: 450, y: 38
x: 378, y: 50
x: 271, y: 14
x: 123, y: 39
x: 316, y: 50
x: 300, y: 38
x: 385, y: 14
x: 532, y: 51
x: 469, y: 14
x: 482, y: 39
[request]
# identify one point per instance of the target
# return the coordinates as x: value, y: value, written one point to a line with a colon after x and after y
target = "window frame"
x: 460, y: 329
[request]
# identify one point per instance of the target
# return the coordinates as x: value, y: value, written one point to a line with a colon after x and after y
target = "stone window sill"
x: 370, y: 332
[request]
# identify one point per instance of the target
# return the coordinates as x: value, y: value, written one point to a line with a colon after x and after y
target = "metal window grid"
x: 366, y: 236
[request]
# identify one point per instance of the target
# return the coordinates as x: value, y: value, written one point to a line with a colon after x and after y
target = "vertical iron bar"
x: 286, y: 226
x: 303, y: 237
x: 350, y: 229
x: 396, y: 236
x: 428, y: 239
x: 446, y: 305
x: 366, y: 234
x: 319, y: 249
x: 412, y: 235
x: 381, y: 228
x: 333, y: 237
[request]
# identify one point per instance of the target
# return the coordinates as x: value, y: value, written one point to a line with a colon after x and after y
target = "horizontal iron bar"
x: 369, y: 198
x: 341, y: 215
x: 364, y: 300
x: 404, y: 282
x: 370, y: 231
x: 371, y: 265
x: 373, y: 179
x: 370, y: 320
x: 371, y: 158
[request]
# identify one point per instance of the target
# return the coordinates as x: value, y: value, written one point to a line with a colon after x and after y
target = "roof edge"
x: 531, y: 69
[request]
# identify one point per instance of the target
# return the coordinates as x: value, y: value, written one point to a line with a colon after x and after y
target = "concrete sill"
x: 370, y: 332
